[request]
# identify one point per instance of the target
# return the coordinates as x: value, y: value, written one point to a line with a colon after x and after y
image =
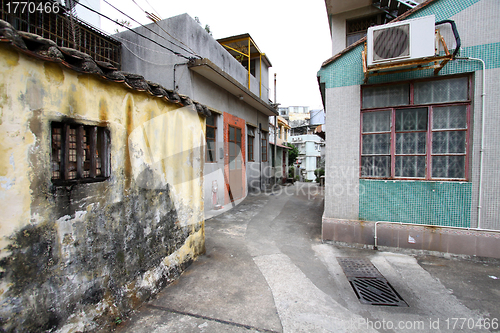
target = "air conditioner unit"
x: 401, y: 41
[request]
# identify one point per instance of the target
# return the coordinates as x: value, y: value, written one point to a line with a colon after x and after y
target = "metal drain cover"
x: 369, y: 284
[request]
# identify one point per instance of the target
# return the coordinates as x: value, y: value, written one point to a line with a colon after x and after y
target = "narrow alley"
x: 266, y: 270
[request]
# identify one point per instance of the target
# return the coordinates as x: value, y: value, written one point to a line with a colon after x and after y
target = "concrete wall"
x: 157, y: 64
x: 75, y: 257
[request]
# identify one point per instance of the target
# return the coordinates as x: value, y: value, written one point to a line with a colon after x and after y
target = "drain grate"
x: 369, y: 284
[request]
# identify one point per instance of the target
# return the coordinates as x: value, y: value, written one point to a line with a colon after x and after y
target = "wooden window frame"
x: 263, y: 148
x: 214, y: 140
x: 250, y: 143
x: 71, y: 159
x: 429, y: 154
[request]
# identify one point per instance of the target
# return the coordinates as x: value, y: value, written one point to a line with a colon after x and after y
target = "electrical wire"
x: 155, y: 22
x: 154, y: 32
x: 153, y: 9
x: 137, y: 33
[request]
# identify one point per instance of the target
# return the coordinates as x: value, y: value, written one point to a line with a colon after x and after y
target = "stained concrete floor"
x: 266, y: 270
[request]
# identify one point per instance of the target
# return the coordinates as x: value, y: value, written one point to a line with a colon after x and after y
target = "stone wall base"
x: 428, y: 238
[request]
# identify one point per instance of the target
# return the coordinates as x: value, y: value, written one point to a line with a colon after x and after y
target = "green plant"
x: 292, y: 153
x: 318, y: 173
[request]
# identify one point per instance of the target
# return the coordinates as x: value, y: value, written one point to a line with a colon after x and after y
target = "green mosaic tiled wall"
x: 348, y: 70
x: 434, y: 203
x: 443, y: 10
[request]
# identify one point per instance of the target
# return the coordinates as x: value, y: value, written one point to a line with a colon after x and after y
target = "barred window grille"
x: 211, y: 130
x: 79, y: 153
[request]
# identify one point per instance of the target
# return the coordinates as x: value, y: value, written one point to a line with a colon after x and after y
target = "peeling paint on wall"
x: 74, y: 257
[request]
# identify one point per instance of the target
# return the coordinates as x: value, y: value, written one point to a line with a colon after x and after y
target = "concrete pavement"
x: 266, y: 270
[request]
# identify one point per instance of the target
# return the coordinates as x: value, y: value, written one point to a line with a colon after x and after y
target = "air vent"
x: 391, y: 43
x: 401, y: 41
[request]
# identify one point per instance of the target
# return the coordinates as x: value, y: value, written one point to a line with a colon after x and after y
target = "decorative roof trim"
x: 46, y: 50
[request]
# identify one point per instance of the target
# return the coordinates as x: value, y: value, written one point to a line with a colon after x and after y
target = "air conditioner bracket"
x: 434, y: 62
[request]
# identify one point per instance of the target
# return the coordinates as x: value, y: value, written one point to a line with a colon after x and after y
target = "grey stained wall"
x: 342, y: 156
x: 191, y: 40
x: 162, y: 66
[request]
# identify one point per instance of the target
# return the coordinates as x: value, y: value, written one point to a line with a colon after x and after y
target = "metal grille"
x: 369, y: 284
x: 376, y: 291
x: 393, y: 42
x: 58, y: 28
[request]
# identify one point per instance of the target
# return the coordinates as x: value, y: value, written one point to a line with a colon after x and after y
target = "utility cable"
x: 153, y: 9
x: 154, y: 32
x: 137, y: 33
x: 152, y: 18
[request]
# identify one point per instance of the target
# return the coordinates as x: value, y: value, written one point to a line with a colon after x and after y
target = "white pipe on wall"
x: 481, y: 151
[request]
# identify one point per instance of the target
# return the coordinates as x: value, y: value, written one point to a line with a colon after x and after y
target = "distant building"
x: 282, y: 135
x: 310, y: 148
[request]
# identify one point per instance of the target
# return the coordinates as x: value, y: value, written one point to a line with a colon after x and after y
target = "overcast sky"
x: 294, y: 37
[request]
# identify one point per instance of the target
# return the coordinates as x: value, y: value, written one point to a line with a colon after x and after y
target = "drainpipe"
x: 259, y: 145
x: 175, y: 65
x: 275, y: 133
x: 481, y: 151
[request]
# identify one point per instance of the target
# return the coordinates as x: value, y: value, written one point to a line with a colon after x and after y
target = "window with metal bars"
x: 264, y: 147
x: 80, y: 153
x: 357, y: 28
x: 211, y: 130
x: 416, y: 130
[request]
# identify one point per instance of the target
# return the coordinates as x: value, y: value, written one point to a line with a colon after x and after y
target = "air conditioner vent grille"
x: 390, y: 43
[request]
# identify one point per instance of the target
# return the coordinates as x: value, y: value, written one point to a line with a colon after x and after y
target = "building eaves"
x: 44, y: 49
x: 362, y: 40
x: 212, y: 72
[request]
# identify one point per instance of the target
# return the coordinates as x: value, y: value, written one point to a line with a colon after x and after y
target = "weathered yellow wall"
x: 155, y: 185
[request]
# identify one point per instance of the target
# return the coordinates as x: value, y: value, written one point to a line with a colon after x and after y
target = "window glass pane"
x: 211, y: 120
x: 411, y: 143
x: 211, y: 132
x: 449, y: 117
x: 232, y: 133
x: 238, y: 135
x: 448, y: 166
x: 379, y: 121
x: 375, y: 166
x: 449, y: 90
x: 451, y: 142
x: 210, y: 156
x: 411, y: 119
x: 383, y: 96
x: 410, y: 166
x: 376, y: 144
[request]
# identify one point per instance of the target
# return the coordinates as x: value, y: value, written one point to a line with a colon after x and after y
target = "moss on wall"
x: 89, y: 252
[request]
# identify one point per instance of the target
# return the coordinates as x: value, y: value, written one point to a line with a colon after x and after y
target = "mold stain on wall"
x: 85, y: 253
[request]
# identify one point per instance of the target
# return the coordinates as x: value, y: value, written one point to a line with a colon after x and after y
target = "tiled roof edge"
x: 47, y: 50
